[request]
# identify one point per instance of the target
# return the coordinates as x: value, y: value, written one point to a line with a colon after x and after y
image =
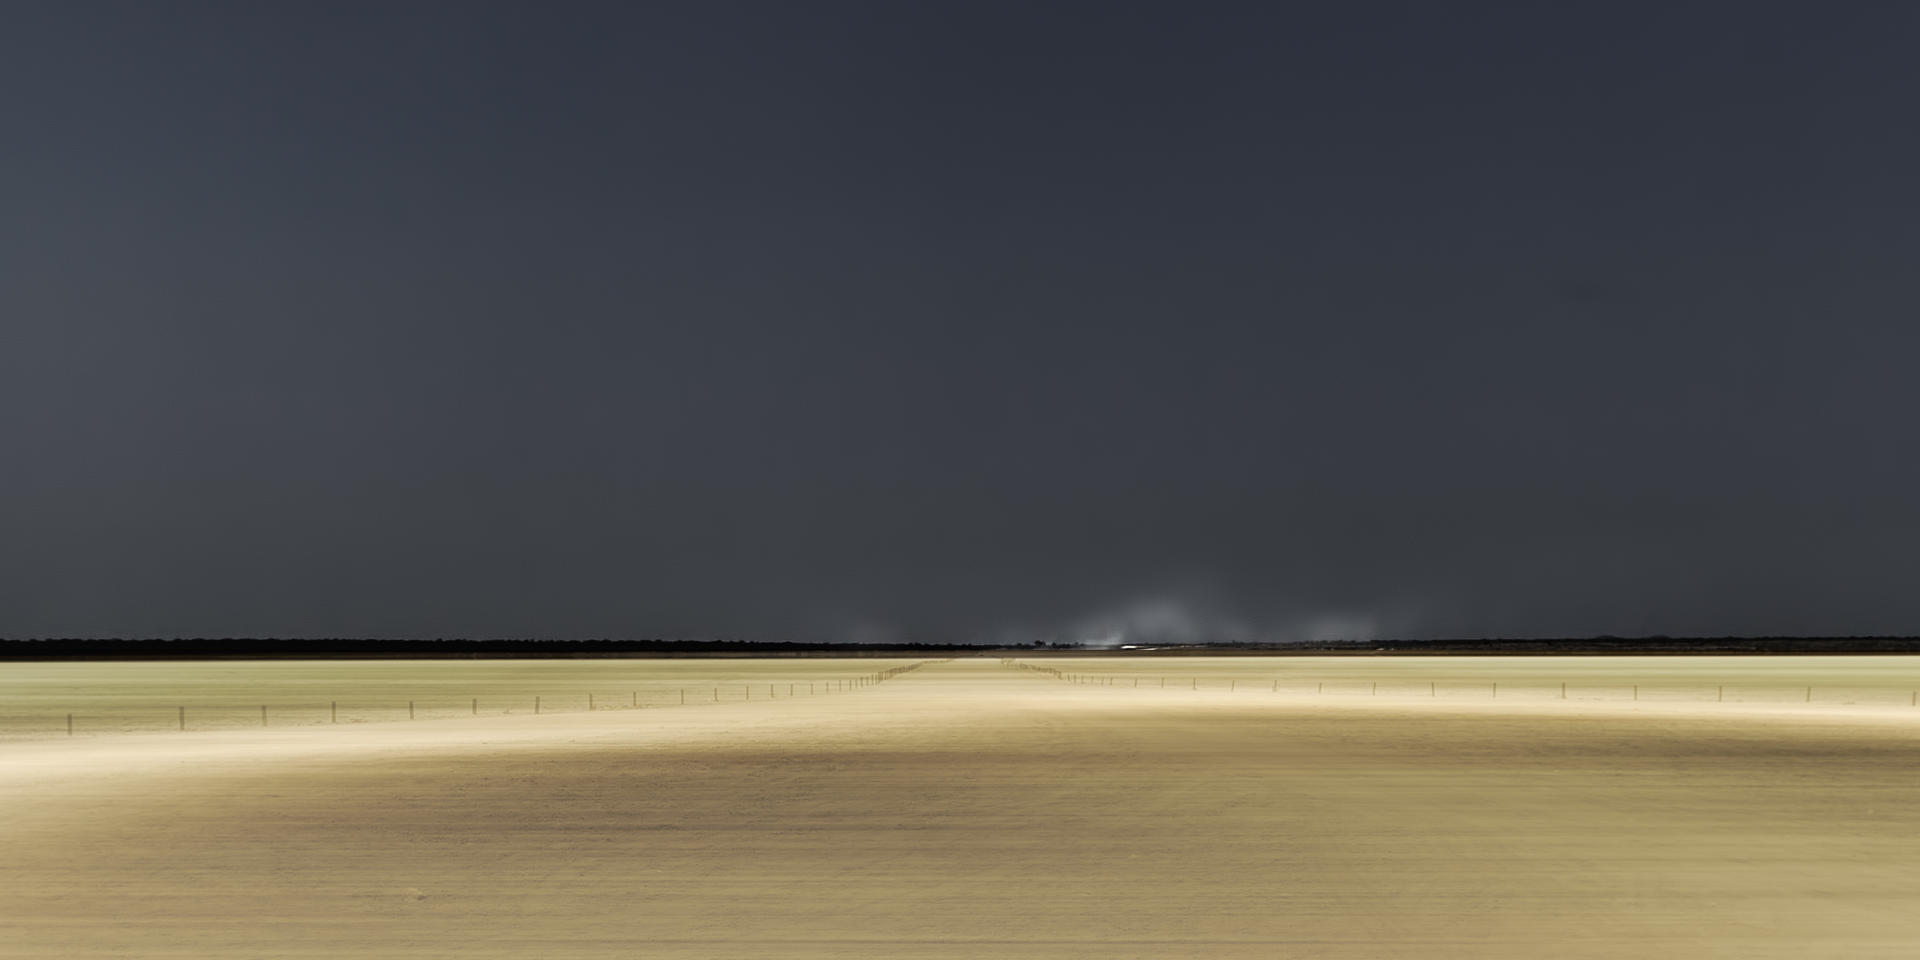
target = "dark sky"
x: 958, y: 320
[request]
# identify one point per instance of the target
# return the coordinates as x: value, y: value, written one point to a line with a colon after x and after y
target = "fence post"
x: 476, y: 706
x: 1563, y: 689
x: 333, y: 712
x: 636, y: 698
x: 589, y: 703
x: 183, y: 718
x: 1496, y: 690
x: 1374, y: 689
x: 69, y: 724
x: 409, y: 709
x: 536, y: 706
x: 1433, y: 689
x: 1809, y: 694
x: 1636, y: 691
x: 263, y: 714
x: 1720, y: 693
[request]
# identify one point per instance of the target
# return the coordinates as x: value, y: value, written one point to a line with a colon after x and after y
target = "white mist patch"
x: 1173, y: 621
x: 1158, y: 621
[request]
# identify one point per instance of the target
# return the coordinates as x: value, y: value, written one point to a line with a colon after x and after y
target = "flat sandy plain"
x: 129, y: 697
x: 969, y: 809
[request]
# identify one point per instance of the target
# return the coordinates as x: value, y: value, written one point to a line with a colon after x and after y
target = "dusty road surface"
x: 970, y: 810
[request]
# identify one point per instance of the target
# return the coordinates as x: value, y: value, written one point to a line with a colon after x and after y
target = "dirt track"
x: 968, y: 810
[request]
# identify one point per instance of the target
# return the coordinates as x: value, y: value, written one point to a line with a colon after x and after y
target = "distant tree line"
x: 1585, y: 645
x: 1660, y: 644
x: 85, y: 648
x: 69, y: 648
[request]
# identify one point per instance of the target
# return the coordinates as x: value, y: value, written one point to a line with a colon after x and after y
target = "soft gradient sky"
x: 958, y: 320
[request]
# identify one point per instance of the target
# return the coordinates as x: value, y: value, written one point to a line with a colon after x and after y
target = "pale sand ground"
x: 969, y: 810
x: 143, y: 696
x: 1889, y: 680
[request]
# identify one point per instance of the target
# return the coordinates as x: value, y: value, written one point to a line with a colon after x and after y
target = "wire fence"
x: 229, y: 714
x: 200, y: 716
x: 1453, y: 689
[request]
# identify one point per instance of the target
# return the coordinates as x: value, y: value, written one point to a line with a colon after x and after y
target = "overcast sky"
x: 958, y: 320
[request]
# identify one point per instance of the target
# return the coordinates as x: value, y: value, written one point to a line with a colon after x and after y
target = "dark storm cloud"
x: 960, y: 320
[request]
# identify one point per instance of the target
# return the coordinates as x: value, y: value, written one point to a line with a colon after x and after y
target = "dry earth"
x: 971, y: 810
x: 36, y: 698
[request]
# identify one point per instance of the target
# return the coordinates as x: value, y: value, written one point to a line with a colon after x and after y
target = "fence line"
x: 231, y: 715
x: 1754, y: 693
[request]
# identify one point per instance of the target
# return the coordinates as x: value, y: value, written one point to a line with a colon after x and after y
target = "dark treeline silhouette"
x: 1564, y: 646
x: 86, y: 648
x: 1658, y: 645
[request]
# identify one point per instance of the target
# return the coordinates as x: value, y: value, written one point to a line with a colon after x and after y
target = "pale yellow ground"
x: 36, y: 698
x: 1885, y: 680
x: 972, y: 810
